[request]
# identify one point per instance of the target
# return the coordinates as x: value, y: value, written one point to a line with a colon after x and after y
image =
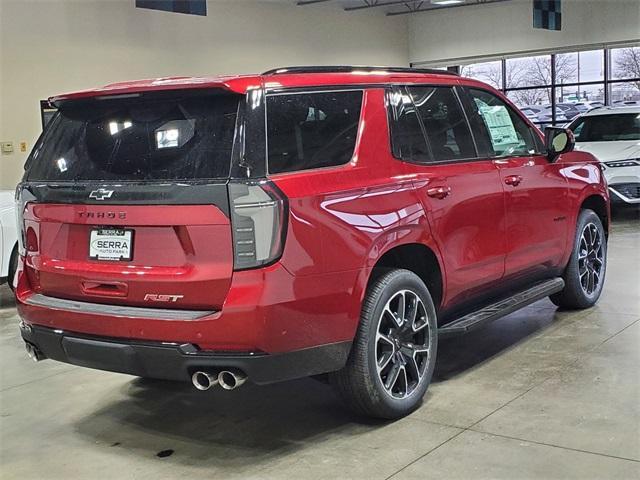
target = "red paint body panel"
x: 266, y: 310
x: 468, y: 224
x: 171, y: 244
x: 536, y: 220
x: 341, y: 221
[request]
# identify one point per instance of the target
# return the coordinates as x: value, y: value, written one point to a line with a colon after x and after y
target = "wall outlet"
x: 23, y: 146
x: 7, y: 148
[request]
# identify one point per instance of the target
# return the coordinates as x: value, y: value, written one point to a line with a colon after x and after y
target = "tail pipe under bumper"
x: 34, y: 353
x: 228, y: 379
x: 181, y: 362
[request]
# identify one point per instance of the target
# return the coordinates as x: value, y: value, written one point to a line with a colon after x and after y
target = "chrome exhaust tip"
x: 204, y: 380
x: 231, y: 379
x: 33, y: 352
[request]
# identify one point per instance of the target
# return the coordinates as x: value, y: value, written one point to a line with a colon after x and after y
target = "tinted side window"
x: 576, y: 127
x: 607, y: 128
x: 311, y: 130
x: 407, y: 139
x: 444, y: 122
x: 508, y: 133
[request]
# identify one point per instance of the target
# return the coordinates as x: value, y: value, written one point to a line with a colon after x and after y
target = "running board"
x: 501, y: 308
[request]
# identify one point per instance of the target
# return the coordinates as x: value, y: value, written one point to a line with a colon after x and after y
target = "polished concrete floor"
x: 539, y: 394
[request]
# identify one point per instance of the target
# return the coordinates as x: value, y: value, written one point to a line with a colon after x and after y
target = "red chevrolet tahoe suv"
x: 305, y: 221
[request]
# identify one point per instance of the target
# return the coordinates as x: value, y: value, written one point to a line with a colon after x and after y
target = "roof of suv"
x: 611, y: 111
x: 288, y: 77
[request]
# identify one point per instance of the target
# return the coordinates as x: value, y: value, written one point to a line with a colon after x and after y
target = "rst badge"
x: 156, y: 297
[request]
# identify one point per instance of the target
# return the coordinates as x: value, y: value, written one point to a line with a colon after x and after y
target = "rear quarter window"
x: 312, y: 130
x: 408, y: 142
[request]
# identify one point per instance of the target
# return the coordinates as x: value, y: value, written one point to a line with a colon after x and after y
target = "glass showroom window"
x: 624, y: 64
x: 523, y: 73
x: 527, y: 84
x: 528, y: 72
x: 535, y: 103
x: 579, y: 98
x: 579, y: 67
x: 552, y: 89
x: 487, y: 72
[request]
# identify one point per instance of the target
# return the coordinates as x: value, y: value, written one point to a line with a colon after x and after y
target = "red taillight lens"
x: 258, y: 219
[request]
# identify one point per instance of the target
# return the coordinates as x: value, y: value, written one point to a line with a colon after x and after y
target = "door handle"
x: 513, y: 180
x: 439, y: 192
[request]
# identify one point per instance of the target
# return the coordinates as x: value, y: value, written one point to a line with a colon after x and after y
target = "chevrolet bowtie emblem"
x: 101, y: 194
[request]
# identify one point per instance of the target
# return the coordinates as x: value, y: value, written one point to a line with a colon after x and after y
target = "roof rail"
x: 351, y: 68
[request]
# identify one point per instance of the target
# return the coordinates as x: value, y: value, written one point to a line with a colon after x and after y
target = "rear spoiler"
x: 144, y: 87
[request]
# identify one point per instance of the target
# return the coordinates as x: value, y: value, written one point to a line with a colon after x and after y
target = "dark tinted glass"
x: 137, y: 139
x: 505, y: 132
x: 312, y: 130
x: 444, y: 122
x: 407, y: 139
x: 607, y: 128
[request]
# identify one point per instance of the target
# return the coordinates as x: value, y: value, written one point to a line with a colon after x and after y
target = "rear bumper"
x: 172, y: 361
x: 267, y: 310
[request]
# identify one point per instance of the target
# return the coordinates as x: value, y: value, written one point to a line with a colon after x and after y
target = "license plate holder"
x: 111, y: 244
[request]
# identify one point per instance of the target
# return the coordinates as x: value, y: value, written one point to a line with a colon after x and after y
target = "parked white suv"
x: 8, y: 236
x: 612, y: 134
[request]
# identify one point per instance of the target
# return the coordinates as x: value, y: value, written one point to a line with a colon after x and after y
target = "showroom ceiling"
x: 399, y: 7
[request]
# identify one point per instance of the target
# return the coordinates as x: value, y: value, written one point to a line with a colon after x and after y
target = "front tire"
x: 394, y: 353
x: 585, y: 273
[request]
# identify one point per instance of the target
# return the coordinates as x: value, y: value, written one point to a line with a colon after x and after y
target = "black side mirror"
x: 558, y: 140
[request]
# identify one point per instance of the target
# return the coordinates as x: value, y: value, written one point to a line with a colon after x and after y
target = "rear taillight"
x: 258, y: 219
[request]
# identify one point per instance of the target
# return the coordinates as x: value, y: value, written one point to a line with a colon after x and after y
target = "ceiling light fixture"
x: 446, y: 2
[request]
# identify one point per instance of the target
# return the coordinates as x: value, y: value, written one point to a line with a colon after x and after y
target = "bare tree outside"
x: 533, y: 96
x: 527, y: 72
x: 579, y: 76
x: 627, y: 64
x: 490, y: 73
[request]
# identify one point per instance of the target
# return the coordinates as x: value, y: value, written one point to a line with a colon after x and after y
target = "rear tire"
x: 13, y: 266
x: 394, y: 353
x: 585, y: 273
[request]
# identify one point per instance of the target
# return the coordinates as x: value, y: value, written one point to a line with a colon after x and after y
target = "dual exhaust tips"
x: 227, y: 379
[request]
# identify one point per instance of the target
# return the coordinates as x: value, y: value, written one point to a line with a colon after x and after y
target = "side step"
x: 501, y: 308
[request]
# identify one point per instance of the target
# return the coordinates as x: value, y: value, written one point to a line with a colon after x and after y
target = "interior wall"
x: 506, y: 27
x: 50, y: 47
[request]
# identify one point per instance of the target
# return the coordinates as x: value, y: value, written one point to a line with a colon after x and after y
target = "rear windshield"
x: 607, y: 128
x: 138, y: 139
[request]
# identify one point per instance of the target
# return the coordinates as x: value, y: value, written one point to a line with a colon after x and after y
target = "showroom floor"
x: 538, y: 394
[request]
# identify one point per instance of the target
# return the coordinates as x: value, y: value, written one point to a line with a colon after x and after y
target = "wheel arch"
x: 600, y: 206
x: 417, y: 258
